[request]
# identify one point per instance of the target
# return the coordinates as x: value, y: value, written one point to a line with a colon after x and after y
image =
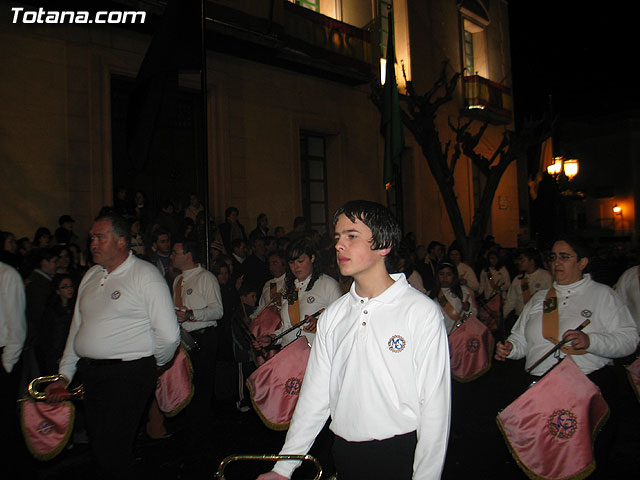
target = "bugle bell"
x: 231, y: 458
x: 36, y: 394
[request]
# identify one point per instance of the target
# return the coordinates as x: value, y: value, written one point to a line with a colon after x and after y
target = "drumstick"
x: 298, y: 325
x: 555, y: 348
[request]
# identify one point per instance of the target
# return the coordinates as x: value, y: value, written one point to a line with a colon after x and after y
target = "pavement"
x: 476, y: 448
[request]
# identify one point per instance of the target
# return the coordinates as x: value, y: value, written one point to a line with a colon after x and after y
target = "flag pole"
x: 205, y: 129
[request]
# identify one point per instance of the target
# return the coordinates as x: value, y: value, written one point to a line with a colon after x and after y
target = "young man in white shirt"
x: 379, y: 365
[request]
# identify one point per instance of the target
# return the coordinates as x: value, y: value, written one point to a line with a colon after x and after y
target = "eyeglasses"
x: 563, y: 257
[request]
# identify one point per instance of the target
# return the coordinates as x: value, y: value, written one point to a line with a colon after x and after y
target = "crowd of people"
x: 214, y: 289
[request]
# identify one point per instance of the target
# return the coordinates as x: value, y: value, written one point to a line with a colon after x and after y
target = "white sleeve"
x: 433, y: 377
x: 13, y: 312
x: 312, y: 409
x: 69, y: 360
x: 211, y: 291
x: 619, y: 336
x: 517, y: 336
x: 164, y: 324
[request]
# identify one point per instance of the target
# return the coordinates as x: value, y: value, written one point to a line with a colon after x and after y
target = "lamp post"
x: 617, y: 210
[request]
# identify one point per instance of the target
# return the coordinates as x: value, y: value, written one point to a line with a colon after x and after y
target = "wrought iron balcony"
x: 487, y: 101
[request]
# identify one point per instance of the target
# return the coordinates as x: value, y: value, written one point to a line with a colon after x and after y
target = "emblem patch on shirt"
x: 562, y: 424
x: 396, y: 343
x: 549, y: 305
x: 45, y: 428
x: 586, y: 313
x: 473, y: 345
x: 189, y: 291
x: 292, y: 386
x: 115, y: 295
x: 311, y: 299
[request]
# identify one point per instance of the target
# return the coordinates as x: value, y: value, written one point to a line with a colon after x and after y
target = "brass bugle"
x: 231, y: 458
x: 36, y: 394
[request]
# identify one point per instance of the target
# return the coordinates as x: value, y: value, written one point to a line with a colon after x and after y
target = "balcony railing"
x: 487, y: 100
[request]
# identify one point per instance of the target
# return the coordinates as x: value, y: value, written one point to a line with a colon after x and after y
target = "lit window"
x: 310, y: 4
x: 475, y: 49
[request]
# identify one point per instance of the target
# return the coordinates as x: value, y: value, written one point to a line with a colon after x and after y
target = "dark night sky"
x: 583, y: 56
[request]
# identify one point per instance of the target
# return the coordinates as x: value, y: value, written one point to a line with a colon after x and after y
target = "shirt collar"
x: 388, y: 296
x: 191, y: 272
x: 573, y: 286
x: 45, y: 275
x: 123, y: 266
x: 302, y: 285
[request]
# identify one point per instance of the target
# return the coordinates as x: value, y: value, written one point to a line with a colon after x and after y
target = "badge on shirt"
x: 115, y: 295
x: 189, y: 291
x: 311, y: 299
x: 397, y: 343
x: 586, y: 313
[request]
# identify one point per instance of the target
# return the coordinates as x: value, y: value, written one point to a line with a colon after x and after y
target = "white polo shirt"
x: 126, y: 314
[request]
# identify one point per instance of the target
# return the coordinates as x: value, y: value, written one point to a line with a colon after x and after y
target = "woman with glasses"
x: 554, y: 314
x: 611, y: 333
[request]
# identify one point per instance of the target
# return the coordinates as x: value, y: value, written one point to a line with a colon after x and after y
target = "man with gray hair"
x: 123, y: 327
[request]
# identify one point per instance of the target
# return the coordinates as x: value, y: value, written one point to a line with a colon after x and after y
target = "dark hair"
x: 278, y: 253
x: 40, y: 232
x: 494, y: 251
x: 160, y: 231
x: 59, y: 277
x: 456, y: 246
x: 433, y: 244
x: 532, y: 254
x: 236, y: 242
x: 260, y: 217
x: 120, y: 226
x: 299, y: 221
x: 217, y: 265
x: 192, y: 247
x: 385, y: 231
x: 229, y: 211
x: 296, y: 249
x: 578, y: 244
x: 3, y: 238
x: 246, y: 288
x: 455, y: 288
x: 21, y: 242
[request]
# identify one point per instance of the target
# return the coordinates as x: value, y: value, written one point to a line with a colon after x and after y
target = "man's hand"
x: 577, y: 339
x: 311, y: 325
x: 56, y: 392
x: 271, y: 476
x: 184, y: 315
x: 503, y: 350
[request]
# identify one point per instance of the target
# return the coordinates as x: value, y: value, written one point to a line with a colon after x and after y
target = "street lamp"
x: 559, y: 165
x: 571, y: 168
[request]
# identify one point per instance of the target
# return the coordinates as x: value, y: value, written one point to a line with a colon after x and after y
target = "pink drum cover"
x: 471, y: 348
x: 266, y: 323
x: 174, y: 389
x: 633, y: 372
x: 46, y: 427
x: 550, y: 429
x: 274, y: 387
